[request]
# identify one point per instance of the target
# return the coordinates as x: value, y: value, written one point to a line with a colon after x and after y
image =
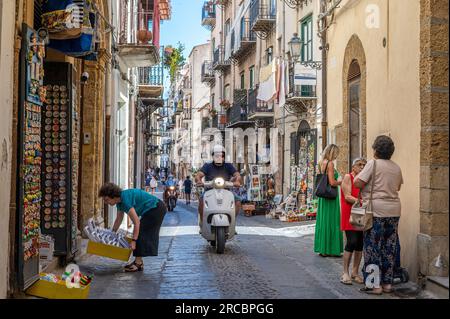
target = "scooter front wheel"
x: 213, y: 243
x: 220, y: 240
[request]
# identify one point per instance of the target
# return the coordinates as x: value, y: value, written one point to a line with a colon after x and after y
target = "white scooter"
x: 219, y: 222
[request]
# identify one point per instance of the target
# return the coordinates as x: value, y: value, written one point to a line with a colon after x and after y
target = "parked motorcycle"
x: 219, y: 222
x: 171, y: 197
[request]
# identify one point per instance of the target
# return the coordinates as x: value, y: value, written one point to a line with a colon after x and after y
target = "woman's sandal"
x: 133, y: 267
x: 370, y: 291
x: 346, y: 282
x: 358, y: 279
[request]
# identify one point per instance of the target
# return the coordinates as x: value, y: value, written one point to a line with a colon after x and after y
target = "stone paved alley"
x: 254, y: 265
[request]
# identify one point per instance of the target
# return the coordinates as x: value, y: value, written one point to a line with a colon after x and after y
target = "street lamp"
x: 296, y: 50
x: 295, y: 46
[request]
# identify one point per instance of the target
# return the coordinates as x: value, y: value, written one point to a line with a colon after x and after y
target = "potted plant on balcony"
x: 213, y: 112
x: 225, y: 104
x: 144, y: 36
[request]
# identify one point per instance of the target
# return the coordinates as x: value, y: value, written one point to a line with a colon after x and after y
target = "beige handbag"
x: 361, y: 216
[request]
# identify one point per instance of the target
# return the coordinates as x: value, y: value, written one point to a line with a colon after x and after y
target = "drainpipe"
x: 323, y: 35
x: 283, y: 143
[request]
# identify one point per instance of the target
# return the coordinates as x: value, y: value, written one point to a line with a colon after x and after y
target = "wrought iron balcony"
x: 258, y: 109
x: 301, y: 98
x: 262, y: 17
x: 208, y: 73
x: 219, y: 62
x: 209, y: 15
x: 237, y: 113
x: 136, y: 46
x: 151, y: 81
x: 245, y: 42
x: 187, y: 114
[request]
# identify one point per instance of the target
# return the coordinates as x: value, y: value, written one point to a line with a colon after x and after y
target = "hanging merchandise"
x: 32, y: 94
x: 72, y: 26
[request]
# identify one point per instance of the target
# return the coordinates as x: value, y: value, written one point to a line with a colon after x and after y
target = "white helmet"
x: 218, y: 149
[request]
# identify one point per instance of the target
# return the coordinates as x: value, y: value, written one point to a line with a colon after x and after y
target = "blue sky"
x: 184, y: 26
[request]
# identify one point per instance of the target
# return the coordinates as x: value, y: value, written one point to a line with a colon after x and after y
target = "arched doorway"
x: 303, y: 162
x: 351, y: 136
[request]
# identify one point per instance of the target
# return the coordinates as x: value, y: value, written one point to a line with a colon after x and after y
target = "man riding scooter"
x: 170, y: 193
x: 218, y: 168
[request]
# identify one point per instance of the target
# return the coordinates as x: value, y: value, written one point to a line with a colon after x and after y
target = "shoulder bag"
x: 361, y: 215
x: 324, y: 189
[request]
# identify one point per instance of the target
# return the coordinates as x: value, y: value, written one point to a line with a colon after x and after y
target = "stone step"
x: 437, y: 287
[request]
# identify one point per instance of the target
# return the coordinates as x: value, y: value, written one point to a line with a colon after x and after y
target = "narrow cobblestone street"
x: 253, y: 266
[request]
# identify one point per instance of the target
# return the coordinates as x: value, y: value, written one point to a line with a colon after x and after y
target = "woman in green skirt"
x: 328, y: 240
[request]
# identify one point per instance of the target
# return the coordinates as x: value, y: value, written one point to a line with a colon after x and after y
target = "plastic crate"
x: 109, y: 251
x: 51, y: 290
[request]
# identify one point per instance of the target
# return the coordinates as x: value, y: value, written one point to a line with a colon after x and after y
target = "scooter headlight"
x: 219, y: 182
x: 172, y: 188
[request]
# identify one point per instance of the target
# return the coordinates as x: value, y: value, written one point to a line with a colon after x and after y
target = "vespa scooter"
x: 219, y: 222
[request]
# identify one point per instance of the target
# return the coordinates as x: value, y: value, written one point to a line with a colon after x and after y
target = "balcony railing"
x: 262, y: 15
x: 187, y: 114
x: 153, y: 75
x: 136, y: 39
x: 219, y: 62
x: 258, y: 108
x: 209, y: 15
x: 237, y: 113
x: 246, y: 41
x: 305, y: 91
x: 207, y: 72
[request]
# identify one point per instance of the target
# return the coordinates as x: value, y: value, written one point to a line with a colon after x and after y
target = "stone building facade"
x: 374, y: 70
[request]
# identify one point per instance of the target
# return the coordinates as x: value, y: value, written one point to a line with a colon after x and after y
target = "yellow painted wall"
x: 392, y: 93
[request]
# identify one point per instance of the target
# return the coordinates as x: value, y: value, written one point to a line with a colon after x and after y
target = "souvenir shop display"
x: 261, y: 190
x: 57, y: 217
x: 72, y: 27
x: 32, y: 94
x: 105, y: 236
x: 303, y: 165
x: 52, y: 286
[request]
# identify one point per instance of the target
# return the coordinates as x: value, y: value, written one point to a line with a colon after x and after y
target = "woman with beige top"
x: 380, y: 242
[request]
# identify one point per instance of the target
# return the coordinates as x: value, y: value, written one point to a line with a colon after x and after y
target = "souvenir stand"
x: 32, y: 95
x: 49, y: 143
x: 303, y: 163
x: 260, y: 190
x: 57, y: 217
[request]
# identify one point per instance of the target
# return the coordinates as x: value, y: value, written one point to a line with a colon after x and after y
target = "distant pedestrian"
x: 188, y: 189
x: 354, y: 238
x: 380, y: 242
x: 153, y: 184
x: 147, y: 213
x: 148, y: 178
x: 328, y: 239
x: 181, y: 188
